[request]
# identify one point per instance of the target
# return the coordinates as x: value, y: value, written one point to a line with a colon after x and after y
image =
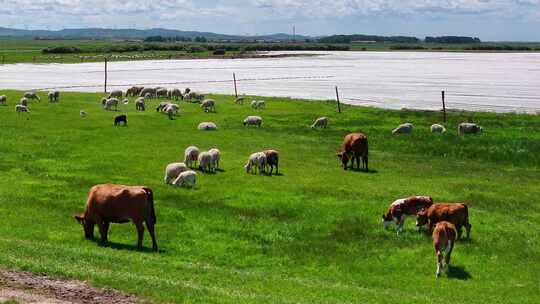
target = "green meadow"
x: 310, y: 235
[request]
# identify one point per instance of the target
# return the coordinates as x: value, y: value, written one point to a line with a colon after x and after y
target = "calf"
x: 457, y: 214
x: 120, y: 119
x: 444, y: 237
x: 110, y: 203
x: 354, y: 147
x: 400, y: 209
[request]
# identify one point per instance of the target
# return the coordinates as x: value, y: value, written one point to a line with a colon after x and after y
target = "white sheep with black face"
x: 140, y: 104
x: 110, y: 103
x: 24, y: 102
x: 116, y: 94
x: 186, y: 179
x: 256, y: 161
x: 208, y: 105
x: 21, y: 108
x: 405, y: 128
x: 258, y: 104
x: 172, y: 171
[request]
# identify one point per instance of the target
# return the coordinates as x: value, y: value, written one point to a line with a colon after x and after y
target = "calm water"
x: 494, y: 82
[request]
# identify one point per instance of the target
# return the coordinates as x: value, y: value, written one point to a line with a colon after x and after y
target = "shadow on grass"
x: 458, y: 273
x: 132, y: 247
x: 371, y: 171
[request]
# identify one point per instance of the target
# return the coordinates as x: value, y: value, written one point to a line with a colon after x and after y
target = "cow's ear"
x: 79, y: 218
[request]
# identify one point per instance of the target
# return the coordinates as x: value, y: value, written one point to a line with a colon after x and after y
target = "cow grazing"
x: 354, y: 147
x: 402, y: 208
x: 110, y: 203
x: 457, y: 214
x: 444, y: 238
x: 120, y: 119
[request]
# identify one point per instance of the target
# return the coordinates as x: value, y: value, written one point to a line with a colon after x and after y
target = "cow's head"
x: 87, y: 224
x: 344, y: 157
x: 421, y: 218
x: 387, y: 219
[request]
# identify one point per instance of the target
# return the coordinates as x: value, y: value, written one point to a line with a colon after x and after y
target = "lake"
x: 500, y: 82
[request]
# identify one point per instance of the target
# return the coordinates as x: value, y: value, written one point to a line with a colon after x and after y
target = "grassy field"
x: 310, y: 235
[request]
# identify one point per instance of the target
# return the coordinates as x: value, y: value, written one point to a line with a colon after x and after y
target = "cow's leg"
x: 103, y: 231
x: 357, y: 162
x: 439, y: 261
x: 140, y: 233
x: 150, y: 227
x: 400, y: 223
x: 468, y: 229
x: 459, y: 229
x: 447, y: 255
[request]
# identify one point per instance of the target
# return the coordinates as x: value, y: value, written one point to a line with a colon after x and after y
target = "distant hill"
x: 101, y: 33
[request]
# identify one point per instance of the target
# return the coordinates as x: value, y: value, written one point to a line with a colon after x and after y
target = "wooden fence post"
x: 3, y: 59
x: 337, y: 98
x: 443, y: 106
x: 235, y: 89
x: 105, y: 86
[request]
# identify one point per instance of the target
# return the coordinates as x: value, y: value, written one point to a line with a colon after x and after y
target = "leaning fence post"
x: 105, y: 86
x: 235, y: 89
x: 337, y: 99
x: 443, y: 106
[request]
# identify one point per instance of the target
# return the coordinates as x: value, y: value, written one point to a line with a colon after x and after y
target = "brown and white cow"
x: 354, y: 147
x: 403, y: 208
x: 109, y: 203
x: 456, y: 213
x: 444, y: 238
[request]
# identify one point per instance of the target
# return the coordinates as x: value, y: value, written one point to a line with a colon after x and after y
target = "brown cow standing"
x: 457, y: 214
x: 110, y: 203
x: 354, y: 147
x: 272, y: 159
x: 400, y: 209
x: 444, y: 237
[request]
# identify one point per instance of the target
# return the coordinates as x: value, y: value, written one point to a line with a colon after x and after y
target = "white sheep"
x: 116, y: 94
x: 24, y: 101
x: 3, y: 99
x: 21, y: 108
x: 191, y: 154
x: 258, y: 104
x: 405, y: 128
x: 256, y: 161
x: 161, y: 92
x: 205, y: 162
x: 162, y: 105
x: 175, y: 93
x: 208, y: 126
x: 437, y: 128
x: 31, y: 95
x: 147, y: 93
x: 240, y: 100
x: 109, y: 103
x: 172, y: 107
x: 82, y: 113
x: 320, y: 122
x: 186, y: 178
x: 253, y: 121
x: 125, y: 101
x: 53, y: 96
x: 140, y: 104
x: 208, y: 105
x: 469, y: 128
x: 173, y: 170
x: 215, y: 155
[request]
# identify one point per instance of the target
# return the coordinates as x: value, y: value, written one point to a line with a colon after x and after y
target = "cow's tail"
x: 150, y: 201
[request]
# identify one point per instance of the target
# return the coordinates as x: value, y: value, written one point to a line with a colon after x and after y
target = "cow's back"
x: 453, y: 212
x: 117, y: 203
x: 355, y: 142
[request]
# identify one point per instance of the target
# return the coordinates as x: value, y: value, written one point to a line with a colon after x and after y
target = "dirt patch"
x: 26, y: 287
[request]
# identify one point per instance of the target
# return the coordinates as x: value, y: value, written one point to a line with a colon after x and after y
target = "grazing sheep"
x: 116, y: 94
x: 31, y: 95
x: 147, y: 96
x: 320, y: 122
x: 150, y: 91
x: 103, y: 101
x: 24, y: 101
x: 172, y: 107
x: 161, y: 92
x: 21, y: 108
x: 125, y: 101
x: 208, y: 105
x: 186, y: 178
x: 272, y: 159
x: 193, y: 96
x: 170, y: 112
x: 469, y: 128
x: 205, y: 162
x: 162, y: 105
x: 256, y: 161
x: 134, y: 91
x: 215, y: 155
x: 172, y: 171
x: 405, y: 128
x: 53, y: 96
x: 176, y: 94
x: 258, y: 104
x: 139, y: 104
x: 436, y: 128
x: 120, y: 119
x: 240, y: 100
x: 3, y: 99
x: 186, y: 91
x: 82, y: 113
x: 191, y: 155
x: 253, y: 121
x: 109, y: 103
x: 208, y: 126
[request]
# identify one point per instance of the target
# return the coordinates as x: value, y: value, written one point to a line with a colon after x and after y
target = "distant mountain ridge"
x: 104, y: 33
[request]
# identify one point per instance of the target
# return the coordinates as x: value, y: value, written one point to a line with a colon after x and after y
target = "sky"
x: 491, y: 20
